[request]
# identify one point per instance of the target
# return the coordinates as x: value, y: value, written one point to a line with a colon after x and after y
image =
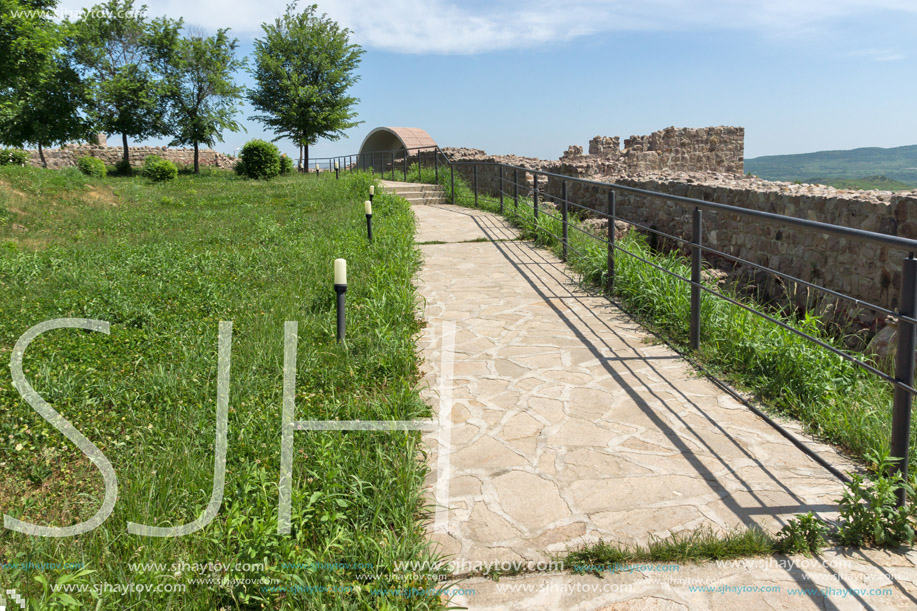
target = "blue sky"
x: 533, y: 77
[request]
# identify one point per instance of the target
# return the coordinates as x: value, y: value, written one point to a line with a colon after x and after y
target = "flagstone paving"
x: 571, y: 424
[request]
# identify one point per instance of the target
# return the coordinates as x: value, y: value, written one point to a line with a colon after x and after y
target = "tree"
x: 41, y: 94
x: 26, y: 37
x: 46, y: 110
x: 200, y: 91
x: 115, y: 47
x: 303, y: 67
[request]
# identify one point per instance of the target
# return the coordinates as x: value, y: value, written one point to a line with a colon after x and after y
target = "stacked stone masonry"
x: 68, y: 155
x: 857, y: 268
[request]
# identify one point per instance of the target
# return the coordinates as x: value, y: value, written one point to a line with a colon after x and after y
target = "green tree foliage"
x: 26, y: 38
x: 303, y: 67
x: 41, y: 94
x: 115, y: 47
x: 202, y: 98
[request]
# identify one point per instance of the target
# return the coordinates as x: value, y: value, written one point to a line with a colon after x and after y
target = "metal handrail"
x: 903, y: 379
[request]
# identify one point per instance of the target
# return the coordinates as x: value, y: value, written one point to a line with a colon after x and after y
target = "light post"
x: 340, y: 287
x: 368, y: 206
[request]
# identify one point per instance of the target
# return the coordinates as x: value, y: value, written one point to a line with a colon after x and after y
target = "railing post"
x: 452, y: 181
x: 405, y: 165
x: 696, y: 236
x: 515, y: 190
x: 501, y: 188
x: 535, y: 202
x: 419, y: 165
x: 563, y: 216
x: 393, y: 165
x: 372, y: 163
x: 610, y: 278
x: 904, y: 371
x: 475, y: 171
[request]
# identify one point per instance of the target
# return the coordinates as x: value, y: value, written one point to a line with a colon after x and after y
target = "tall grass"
x: 833, y: 398
x: 164, y: 264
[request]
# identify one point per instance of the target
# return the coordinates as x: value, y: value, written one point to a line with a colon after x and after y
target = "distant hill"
x: 893, y: 166
x: 883, y: 183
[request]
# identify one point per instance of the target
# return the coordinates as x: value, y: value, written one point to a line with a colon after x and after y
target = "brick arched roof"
x: 396, y: 138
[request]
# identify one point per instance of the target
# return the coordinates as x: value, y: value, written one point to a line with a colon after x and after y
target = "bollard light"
x: 340, y: 287
x: 316, y: 168
x: 372, y: 192
x: 336, y: 169
x: 368, y: 206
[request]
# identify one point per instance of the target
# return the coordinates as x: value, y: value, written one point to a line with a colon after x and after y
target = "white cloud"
x: 476, y: 26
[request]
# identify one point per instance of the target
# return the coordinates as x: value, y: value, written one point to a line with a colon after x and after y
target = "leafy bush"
x: 261, y: 159
x: 158, y: 169
x: 239, y: 168
x: 286, y: 164
x: 802, y: 535
x: 870, y: 515
x: 13, y: 157
x: 92, y: 166
x: 123, y: 168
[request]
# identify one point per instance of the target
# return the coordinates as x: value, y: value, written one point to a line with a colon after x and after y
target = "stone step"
x: 428, y: 202
x: 416, y: 193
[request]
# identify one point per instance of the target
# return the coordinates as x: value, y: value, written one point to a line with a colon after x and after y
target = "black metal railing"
x: 392, y: 165
x: 385, y: 163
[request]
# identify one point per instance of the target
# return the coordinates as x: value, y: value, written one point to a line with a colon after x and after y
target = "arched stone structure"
x: 383, y: 146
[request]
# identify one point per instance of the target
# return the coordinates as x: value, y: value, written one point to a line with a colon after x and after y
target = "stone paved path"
x: 569, y: 424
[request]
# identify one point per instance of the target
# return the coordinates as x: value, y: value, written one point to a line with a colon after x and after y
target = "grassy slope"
x: 163, y: 264
x: 898, y: 164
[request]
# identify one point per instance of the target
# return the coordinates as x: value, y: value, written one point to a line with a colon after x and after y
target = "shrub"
x: 92, y: 166
x: 123, y: 168
x: 261, y: 159
x: 286, y: 164
x: 802, y: 535
x: 158, y: 169
x: 239, y: 168
x: 870, y: 515
x: 13, y: 157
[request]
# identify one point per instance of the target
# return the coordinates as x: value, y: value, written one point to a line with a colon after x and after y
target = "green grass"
x: 164, y: 264
x: 695, y: 546
x: 834, y: 399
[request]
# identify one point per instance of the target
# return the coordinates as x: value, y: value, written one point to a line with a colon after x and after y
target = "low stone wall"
x: 68, y: 155
x: 857, y: 268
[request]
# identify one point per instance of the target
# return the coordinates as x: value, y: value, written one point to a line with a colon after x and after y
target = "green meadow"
x: 164, y: 264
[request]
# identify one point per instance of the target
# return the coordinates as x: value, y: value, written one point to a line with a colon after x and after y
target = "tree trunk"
x: 302, y: 165
x: 197, y: 169
x: 127, y: 159
x: 305, y: 157
x: 41, y: 155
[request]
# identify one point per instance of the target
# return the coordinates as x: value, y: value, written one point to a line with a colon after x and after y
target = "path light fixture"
x: 372, y: 192
x: 316, y: 168
x: 340, y: 287
x: 337, y: 169
x: 368, y: 205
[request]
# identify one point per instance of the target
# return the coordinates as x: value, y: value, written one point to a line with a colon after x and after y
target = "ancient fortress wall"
x: 711, y: 170
x: 69, y: 154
